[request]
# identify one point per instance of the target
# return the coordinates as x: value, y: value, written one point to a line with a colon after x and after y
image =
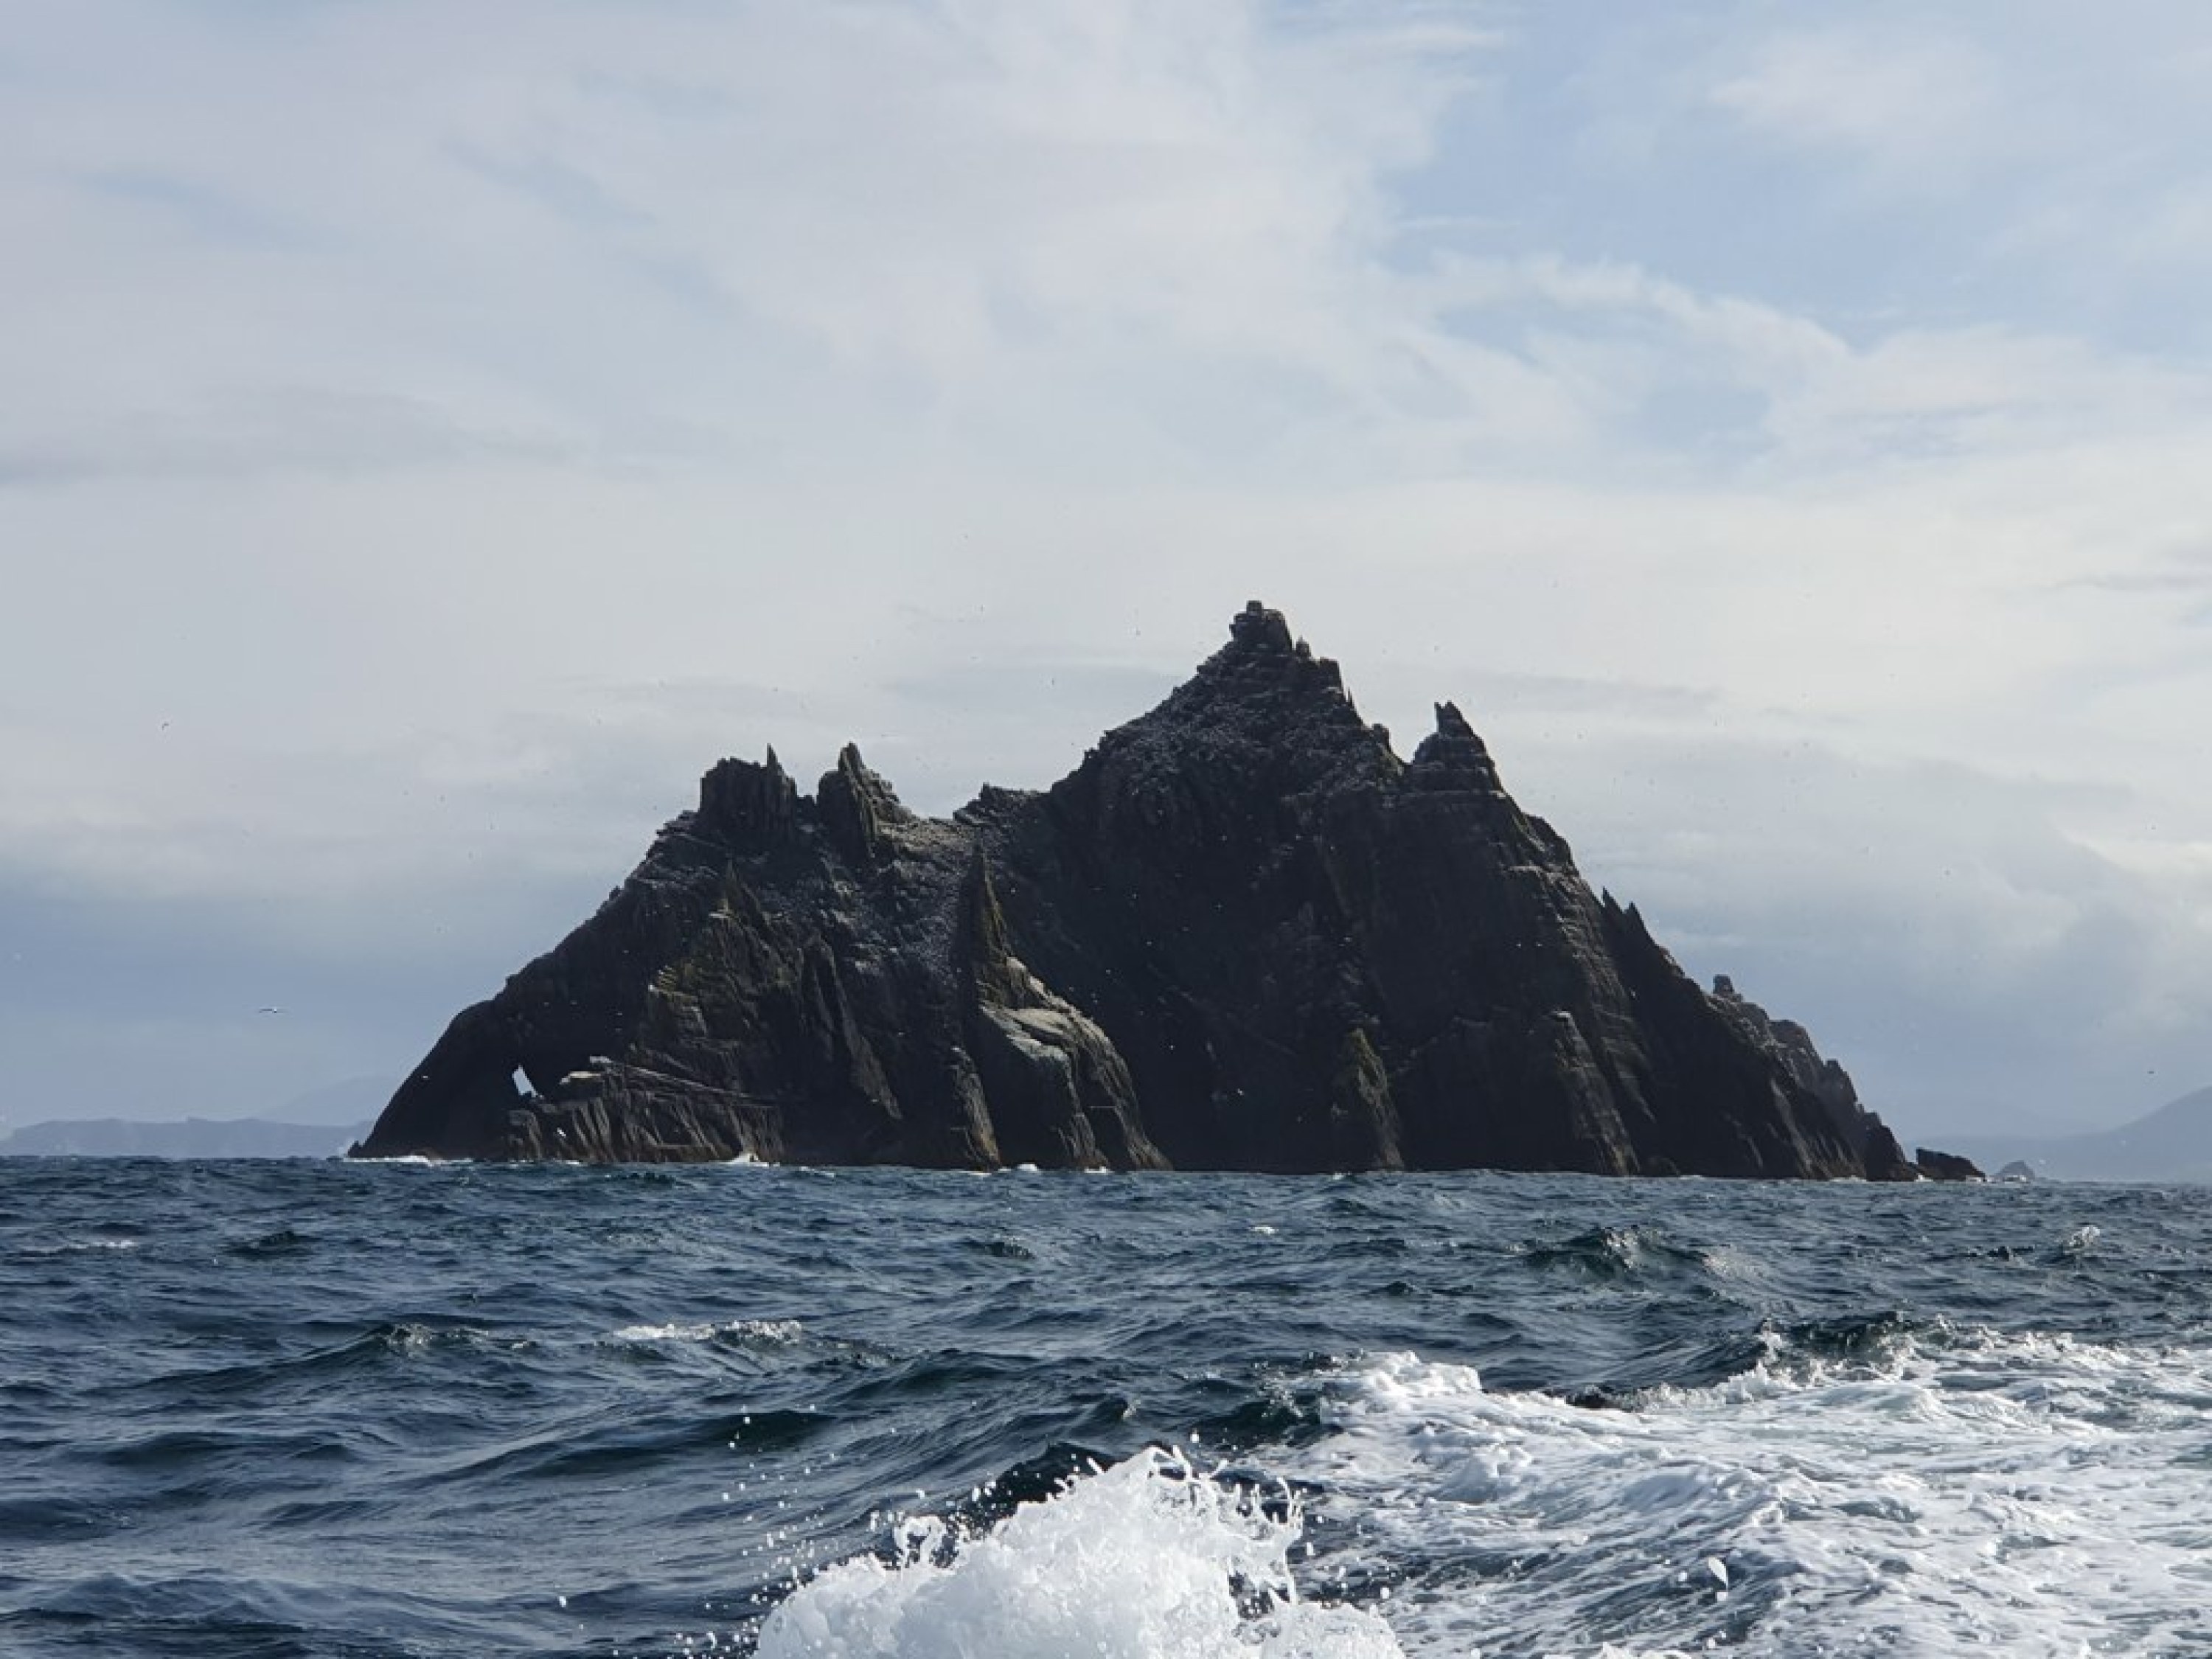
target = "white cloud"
x: 435, y: 432
x: 1924, y: 109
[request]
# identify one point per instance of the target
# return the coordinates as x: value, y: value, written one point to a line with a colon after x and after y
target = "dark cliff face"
x: 1792, y: 1046
x: 1243, y: 934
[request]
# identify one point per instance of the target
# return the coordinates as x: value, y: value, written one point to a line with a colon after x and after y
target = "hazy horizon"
x: 433, y: 435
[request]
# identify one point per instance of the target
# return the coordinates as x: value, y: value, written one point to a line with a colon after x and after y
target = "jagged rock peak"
x: 1261, y: 650
x: 1257, y: 628
x: 1453, y: 757
x: 1261, y: 719
x: 753, y: 803
x: 856, y: 805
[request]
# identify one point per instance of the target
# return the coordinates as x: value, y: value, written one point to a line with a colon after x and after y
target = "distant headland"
x: 1243, y: 934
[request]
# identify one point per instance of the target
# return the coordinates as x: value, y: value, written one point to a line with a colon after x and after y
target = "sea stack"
x: 1243, y: 934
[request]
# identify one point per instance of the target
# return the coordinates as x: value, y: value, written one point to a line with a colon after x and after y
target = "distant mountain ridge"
x: 194, y: 1137
x: 319, y: 1123
x: 2171, y: 1144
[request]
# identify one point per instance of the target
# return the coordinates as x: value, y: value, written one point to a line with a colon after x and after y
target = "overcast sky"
x: 431, y: 431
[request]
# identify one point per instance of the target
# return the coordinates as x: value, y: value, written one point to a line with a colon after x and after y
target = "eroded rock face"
x: 1947, y: 1166
x: 1791, y: 1047
x: 1243, y: 934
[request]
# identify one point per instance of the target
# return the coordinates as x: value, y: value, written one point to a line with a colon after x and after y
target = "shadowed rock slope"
x: 1243, y: 934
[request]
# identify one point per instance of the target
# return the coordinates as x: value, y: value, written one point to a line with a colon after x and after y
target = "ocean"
x: 259, y: 1410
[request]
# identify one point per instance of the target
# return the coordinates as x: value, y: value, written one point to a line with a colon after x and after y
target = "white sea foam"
x: 778, y: 1332
x: 2028, y: 1495
x: 1146, y: 1560
x: 61, y: 1247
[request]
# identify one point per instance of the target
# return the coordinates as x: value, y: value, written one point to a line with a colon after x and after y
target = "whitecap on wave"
x: 768, y: 1332
x: 1149, y: 1560
x: 2028, y: 1495
x: 78, y: 1245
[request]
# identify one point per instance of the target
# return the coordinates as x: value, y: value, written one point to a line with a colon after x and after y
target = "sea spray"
x: 1149, y: 1560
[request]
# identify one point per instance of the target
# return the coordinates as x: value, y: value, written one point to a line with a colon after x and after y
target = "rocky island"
x: 1243, y: 934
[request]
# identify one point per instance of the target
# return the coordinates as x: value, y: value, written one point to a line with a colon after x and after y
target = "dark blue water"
x: 253, y: 1410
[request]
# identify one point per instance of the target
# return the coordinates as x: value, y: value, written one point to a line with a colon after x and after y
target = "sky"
x: 433, y: 431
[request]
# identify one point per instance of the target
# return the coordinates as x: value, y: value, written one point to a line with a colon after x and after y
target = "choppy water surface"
x: 251, y: 1410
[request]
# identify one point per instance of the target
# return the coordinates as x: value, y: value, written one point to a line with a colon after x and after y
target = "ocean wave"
x: 1149, y: 1560
x: 284, y: 1241
x: 555, y: 1412
x: 1925, y: 1491
x: 769, y: 1333
x: 1607, y: 1253
x: 42, y: 1247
